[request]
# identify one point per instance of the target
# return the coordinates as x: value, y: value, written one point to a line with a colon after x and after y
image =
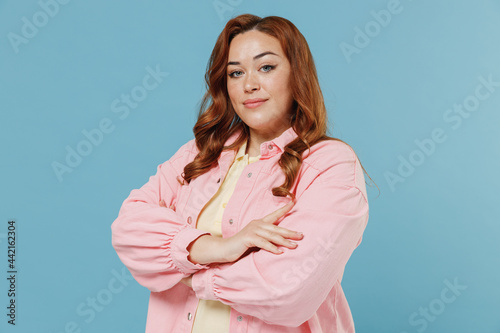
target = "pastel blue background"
x: 440, y: 224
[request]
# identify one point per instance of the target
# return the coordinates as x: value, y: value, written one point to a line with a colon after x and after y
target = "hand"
x: 263, y: 233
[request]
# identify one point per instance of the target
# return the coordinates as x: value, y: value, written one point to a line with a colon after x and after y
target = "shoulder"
x: 328, y: 151
x: 337, y: 161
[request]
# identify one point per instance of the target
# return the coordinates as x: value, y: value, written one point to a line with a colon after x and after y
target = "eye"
x: 232, y: 74
x: 268, y: 66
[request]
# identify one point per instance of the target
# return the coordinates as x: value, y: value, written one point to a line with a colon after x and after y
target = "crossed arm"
x: 262, y: 233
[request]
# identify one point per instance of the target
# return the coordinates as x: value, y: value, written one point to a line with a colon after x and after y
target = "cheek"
x: 233, y: 98
x: 231, y: 91
x: 283, y: 93
x: 281, y: 85
x: 287, y: 90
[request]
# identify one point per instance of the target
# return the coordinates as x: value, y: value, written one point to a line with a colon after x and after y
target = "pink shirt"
x: 297, y: 291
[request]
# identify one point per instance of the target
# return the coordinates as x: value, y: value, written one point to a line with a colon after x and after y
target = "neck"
x: 251, y: 150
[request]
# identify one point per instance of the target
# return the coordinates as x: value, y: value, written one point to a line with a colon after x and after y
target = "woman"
x: 215, y: 234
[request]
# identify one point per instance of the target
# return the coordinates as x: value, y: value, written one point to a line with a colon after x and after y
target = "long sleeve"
x: 151, y: 240
x: 287, y: 289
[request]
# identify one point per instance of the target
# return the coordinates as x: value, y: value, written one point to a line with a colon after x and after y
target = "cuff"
x: 202, y: 284
x: 179, y: 250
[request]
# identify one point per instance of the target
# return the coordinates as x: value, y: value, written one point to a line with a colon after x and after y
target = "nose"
x: 251, y: 83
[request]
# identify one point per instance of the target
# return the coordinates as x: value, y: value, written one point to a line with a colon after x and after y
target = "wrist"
x: 205, y: 250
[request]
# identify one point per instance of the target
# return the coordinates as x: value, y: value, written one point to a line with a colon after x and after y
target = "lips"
x: 253, y: 103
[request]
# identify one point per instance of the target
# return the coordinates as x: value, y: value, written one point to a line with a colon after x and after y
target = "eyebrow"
x: 254, y: 58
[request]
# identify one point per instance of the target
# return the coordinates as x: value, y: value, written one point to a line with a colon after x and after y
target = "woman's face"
x: 259, y: 70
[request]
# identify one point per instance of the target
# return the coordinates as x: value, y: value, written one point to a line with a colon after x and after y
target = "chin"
x: 258, y: 125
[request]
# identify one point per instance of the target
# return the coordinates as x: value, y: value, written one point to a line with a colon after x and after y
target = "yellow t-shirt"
x: 213, y: 316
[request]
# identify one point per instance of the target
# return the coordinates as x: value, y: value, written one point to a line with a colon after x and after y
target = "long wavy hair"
x: 217, y: 120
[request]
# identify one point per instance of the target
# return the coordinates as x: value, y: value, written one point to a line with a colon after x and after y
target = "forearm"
x: 206, y: 249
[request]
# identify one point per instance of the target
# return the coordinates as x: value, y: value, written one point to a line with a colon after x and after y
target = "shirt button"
x: 231, y: 221
x: 189, y: 316
x: 240, y: 318
x: 249, y: 175
x: 270, y: 147
x: 190, y: 219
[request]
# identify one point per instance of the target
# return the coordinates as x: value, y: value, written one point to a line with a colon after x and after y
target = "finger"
x: 280, y: 236
x: 274, y: 216
x: 285, y: 233
x: 268, y: 246
x: 279, y: 240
